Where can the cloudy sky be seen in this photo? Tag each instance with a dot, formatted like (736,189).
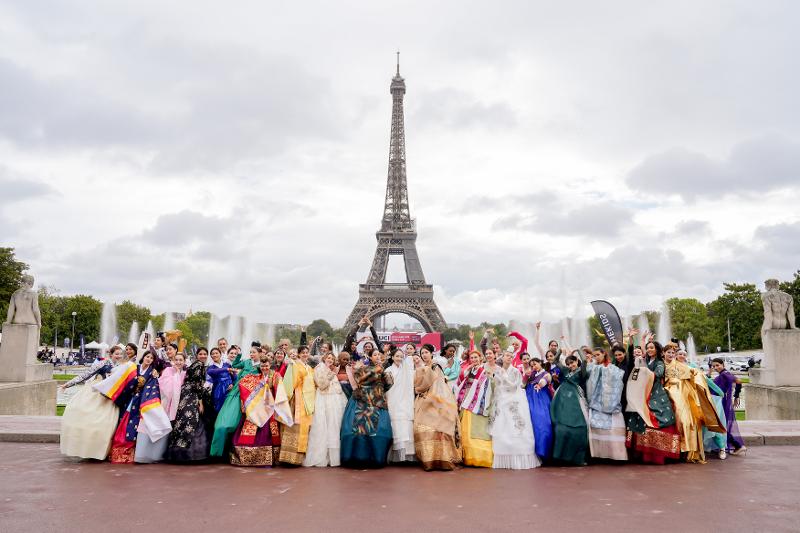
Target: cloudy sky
(232,157)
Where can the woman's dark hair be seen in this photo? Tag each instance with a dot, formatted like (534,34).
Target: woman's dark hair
(214,349)
(145,354)
(719,360)
(571,359)
(601,350)
(204,349)
(659,349)
(256,344)
(551,341)
(448,346)
(263,359)
(428,347)
(232,348)
(133,347)
(329,345)
(174,345)
(301,348)
(161,336)
(537,360)
(617,348)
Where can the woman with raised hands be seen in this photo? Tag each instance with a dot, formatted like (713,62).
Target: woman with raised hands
(437,439)
(400,399)
(537,390)
(324,442)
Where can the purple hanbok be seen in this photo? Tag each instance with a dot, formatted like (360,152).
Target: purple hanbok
(727,381)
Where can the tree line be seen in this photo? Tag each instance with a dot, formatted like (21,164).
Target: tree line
(708,322)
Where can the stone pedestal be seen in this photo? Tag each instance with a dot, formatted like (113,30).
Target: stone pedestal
(765,402)
(18,354)
(26,386)
(36,398)
(780,366)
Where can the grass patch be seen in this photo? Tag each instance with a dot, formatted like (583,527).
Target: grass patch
(60,410)
(740,415)
(63,377)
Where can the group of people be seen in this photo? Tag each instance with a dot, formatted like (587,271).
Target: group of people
(376,403)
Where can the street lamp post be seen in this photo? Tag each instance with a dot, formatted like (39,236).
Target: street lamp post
(72,338)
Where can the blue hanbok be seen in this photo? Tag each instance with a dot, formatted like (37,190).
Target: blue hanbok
(219,376)
(539,405)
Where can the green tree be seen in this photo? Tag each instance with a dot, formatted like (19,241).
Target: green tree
(57,316)
(741,303)
(793,288)
(10,278)
(691,315)
(319,327)
(288,332)
(195,328)
(127,312)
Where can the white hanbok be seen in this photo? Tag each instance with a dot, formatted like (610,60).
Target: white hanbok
(400,399)
(323,438)
(90,418)
(510,423)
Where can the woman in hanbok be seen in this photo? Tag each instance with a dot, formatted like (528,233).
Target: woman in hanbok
(652,438)
(230,414)
(189,440)
(568,412)
(604,385)
(366,425)
(220,375)
(731,388)
(473,396)
(324,446)
(154,423)
(400,399)
(510,424)
(90,417)
(537,391)
(301,391)
(437,439)
(170,382)
(691,401)
(146,399)
(257,440)
(344,374)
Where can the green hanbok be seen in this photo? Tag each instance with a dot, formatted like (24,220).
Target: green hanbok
(568,412)
(231,412)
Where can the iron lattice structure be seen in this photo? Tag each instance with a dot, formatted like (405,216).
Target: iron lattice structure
(397,236)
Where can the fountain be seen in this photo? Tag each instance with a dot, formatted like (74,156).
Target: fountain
(664,325)
(169,321)
(691,349)
(643,325)
(108,324)
(580,328)
(214,330)
(149,330)
(133,334)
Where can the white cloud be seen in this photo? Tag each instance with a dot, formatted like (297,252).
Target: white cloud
(235,159)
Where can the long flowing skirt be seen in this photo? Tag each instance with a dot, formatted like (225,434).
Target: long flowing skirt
(323,438)
(609,443)
(122,449)
(228,419)
(148,451)
(436,450)
(512,434)
(571,444)
(539,406)
(713,441)
(475,440)
(88,425)
(264,449)
(365,451)
(654,446)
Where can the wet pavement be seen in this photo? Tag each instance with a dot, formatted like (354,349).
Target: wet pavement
(42,491)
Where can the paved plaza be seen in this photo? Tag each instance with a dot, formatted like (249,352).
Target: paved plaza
(43,491)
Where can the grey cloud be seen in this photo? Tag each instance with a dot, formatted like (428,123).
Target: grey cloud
(761,164)
(14,188)
(601,220)
(187,227)
(453,108)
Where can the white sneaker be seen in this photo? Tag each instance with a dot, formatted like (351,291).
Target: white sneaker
(723,454)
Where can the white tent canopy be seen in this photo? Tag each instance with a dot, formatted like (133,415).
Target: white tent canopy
(94,345)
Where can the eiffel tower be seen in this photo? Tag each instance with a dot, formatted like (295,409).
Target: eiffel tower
(397,236)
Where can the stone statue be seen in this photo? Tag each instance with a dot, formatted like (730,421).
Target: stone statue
(778,308)
(24,305)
